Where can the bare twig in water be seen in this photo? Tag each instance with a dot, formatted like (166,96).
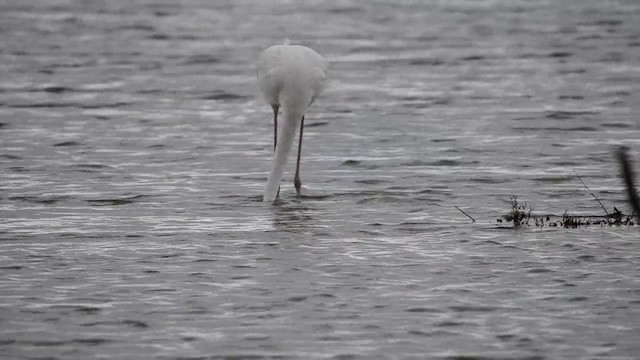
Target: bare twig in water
(462,211)
(591,192)
(627,175)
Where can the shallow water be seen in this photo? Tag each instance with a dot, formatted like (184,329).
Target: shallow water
(135,147)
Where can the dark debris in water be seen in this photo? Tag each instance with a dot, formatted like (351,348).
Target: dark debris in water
(521,214)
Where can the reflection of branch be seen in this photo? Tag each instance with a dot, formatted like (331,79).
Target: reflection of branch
(627,175)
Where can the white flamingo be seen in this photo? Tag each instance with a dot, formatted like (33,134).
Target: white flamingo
(291,77)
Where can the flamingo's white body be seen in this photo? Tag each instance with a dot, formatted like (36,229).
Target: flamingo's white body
(291,77)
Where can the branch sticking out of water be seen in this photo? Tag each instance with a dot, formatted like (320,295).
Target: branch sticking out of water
(469,216)
(521,214)
(591,192)
(628,177)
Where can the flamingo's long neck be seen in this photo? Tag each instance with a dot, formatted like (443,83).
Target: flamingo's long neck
(292,117)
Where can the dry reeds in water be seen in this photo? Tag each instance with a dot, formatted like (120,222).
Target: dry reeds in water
(521,214)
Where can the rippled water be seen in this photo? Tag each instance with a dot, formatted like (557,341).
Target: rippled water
(135,147)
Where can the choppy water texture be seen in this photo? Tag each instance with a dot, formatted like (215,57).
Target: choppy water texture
(135,147)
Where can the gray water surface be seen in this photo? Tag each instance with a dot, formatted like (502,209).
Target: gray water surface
(134,148)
